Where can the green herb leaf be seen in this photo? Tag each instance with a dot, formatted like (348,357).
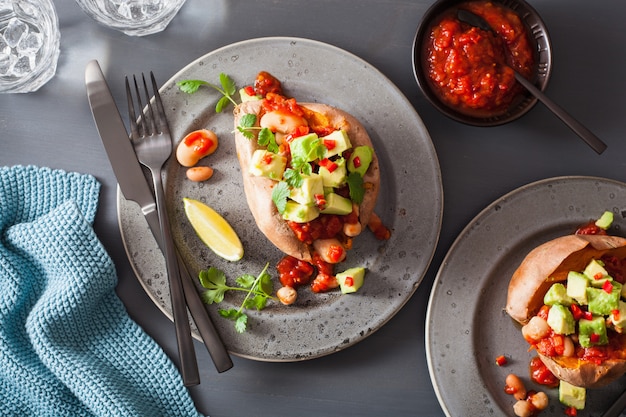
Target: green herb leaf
(268,139)
(246,281)
(355,185)
(190,86)
(246,125)
(279,196)
(227,89)
(258,290)
(293,177)
(214,281)
(228,84)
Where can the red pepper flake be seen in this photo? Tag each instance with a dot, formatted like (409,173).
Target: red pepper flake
(577,312)
(328,164)
(249,90)
(598,276)
(501,360)
(594,337)
(349,282)
(608,287)
(571,412)
(330,144)
(587,315)
(356,161)
(615,314)
(268,159)
(320,201)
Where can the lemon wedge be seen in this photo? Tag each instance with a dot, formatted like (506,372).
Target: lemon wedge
(213,230)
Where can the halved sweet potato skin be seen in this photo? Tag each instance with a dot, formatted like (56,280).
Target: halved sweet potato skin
(258,190)
(583,373)
(550,263)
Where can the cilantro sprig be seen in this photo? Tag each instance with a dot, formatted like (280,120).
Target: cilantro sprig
(258,290)
(227,88)
(265,136)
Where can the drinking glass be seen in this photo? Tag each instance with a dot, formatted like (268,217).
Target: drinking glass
(132,17)
(29,44)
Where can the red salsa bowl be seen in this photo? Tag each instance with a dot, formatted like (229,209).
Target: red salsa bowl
(467,73)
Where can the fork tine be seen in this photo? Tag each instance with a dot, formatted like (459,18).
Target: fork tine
(150,112)
(143,127)
(161,119)
(131,111)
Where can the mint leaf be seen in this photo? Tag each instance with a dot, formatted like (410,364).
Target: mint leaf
(279,196)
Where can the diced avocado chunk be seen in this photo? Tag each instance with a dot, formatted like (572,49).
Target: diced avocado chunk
(336,204)
(602,302)
(267,164)
(311,189)
(596,273)
(299,213)
(306,148)
(243,94)
(557,294)
(337,177)
(605,221)
(572,396)
(351,279)
(560,319)
(360,159)
(336,143)
(618,318)
(577,284)
(592,332)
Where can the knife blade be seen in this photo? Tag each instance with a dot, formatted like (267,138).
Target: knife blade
(134,187)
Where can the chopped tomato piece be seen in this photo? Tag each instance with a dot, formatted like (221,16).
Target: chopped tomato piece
(501,360)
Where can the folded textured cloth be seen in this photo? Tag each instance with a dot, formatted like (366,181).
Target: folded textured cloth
(67,344)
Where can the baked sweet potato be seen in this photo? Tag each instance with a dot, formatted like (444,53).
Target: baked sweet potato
(549,264)
(258,189)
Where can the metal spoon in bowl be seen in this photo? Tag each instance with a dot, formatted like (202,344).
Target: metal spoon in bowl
(592,140)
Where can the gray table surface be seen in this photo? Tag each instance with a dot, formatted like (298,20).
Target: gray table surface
(386,374)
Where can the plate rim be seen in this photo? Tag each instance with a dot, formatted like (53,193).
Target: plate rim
(436,180)
(459,241)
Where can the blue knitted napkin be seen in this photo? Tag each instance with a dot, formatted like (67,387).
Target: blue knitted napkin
(67,344)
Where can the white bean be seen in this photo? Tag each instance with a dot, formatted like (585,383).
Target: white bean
(287,295)
(352,229)
(331,250)
(516,386)
(281,122)
(568,347)
(536,329)
(523,408)
(199,173)
(539,400)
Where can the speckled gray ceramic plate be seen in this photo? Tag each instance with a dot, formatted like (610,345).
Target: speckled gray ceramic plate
(410,202)
(467,327)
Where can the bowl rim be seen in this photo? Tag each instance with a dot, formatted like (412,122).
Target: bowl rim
(543,65)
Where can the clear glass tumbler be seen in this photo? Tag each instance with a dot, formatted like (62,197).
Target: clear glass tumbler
(29,44)
(132,17)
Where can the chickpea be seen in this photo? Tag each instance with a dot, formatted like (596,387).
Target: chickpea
(536,329)
(539,400)
(287,295)
(199,174)
(195,146)
(523,408)
(515,386)
(281,122)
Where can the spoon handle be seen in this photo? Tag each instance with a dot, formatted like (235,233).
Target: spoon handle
(586,135)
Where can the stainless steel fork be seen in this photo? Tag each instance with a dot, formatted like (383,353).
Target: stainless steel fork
(151,139)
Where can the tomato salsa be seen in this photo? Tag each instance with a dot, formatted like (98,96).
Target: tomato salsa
(470,69)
